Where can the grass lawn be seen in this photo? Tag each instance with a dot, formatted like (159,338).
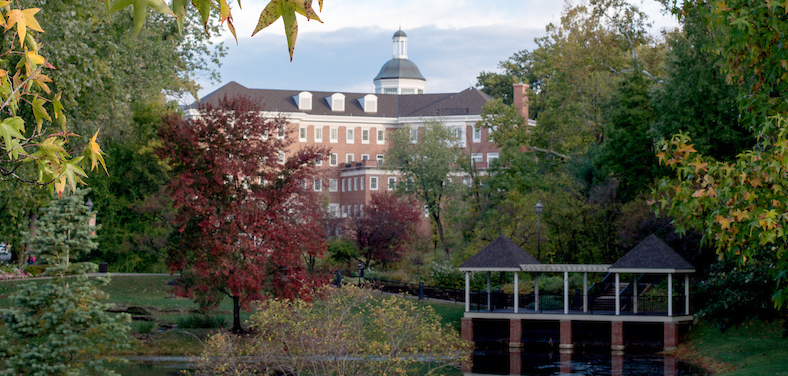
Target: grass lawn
(754,348)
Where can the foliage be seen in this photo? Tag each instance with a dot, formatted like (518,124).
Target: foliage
(60,328)
(342,251)
(201,322)
(64,231)
(136,218)
(243,218)
(735,293)
(345,332)
(386,228)
(425,165)
(739,206)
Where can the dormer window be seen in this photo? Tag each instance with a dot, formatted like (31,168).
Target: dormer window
(336,101)
(369,103)
(303,100)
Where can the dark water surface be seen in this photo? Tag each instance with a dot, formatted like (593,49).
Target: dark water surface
(496,362)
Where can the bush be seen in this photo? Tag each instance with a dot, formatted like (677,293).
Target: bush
(35,270)
(201,322)
(12,272)
(143,327)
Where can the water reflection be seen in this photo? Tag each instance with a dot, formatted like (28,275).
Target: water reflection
(502,362)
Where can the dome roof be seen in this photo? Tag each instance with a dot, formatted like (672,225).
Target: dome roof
(400,33)
(399,68)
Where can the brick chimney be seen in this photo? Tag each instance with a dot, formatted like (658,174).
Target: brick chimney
(521,99)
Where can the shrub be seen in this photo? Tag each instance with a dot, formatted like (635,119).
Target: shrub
(12,272)
(201,322)
(143,327)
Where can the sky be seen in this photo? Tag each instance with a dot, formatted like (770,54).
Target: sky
(451,41)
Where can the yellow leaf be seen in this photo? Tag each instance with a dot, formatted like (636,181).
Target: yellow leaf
(740,215)
(23,19)
(725,222)
(700,193)
(699,166)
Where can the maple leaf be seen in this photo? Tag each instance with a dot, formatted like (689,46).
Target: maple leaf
(23,19)
(740,215)
(94,153)
(11,130)
(725,222)
(287,10)
(141,10)
(699,166)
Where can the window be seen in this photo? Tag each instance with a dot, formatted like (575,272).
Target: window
(280,157)
(343,185)
(362,182)
(333,160)
(319,160)
(334,136)
(365,136)
(302,134)
(392,183)
(426,211)
(351,137)
(318,185)
(477,134)
(355,210)
(344,211)
(318,134)
(381,159)
(361,210)
(282,131)
(333,210)
(350,158)
(490,158)
(332,185)
(364,157)
(390,90)
(381,136)
(414,135)
(304,184)
(373,183)
(355,184)
(476,157)
(467,181)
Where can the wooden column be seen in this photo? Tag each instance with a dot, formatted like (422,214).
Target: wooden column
(618,298)
(617,336)
(467,291)
(566,293)
(516,291)
(670,294)
(686,294)
(536,293)
(635,294)
(515,333)
(585,291)
(566,336)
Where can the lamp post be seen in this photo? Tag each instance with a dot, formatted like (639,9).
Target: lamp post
(360,272)
(539,208)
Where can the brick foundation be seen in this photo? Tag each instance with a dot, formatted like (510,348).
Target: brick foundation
(515,333)
(617,336)
(466,329)
(566,335)
(671,336)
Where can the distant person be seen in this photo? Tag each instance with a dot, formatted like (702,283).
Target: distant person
(31,260)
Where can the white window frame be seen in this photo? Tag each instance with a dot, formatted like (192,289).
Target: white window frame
(355,183)
(477,134)
(318,185)
(392,183)
(381,158)
(350,136)
(333,210)
(381,140)
(414,135)
(365,136)
(333,136)
(301,134)
(363,179)
(467,181)
(491,157)
(332,185)
(281,132)
(343,184)
(318,134)
(361,210)
(333,159)
(364,157)
(477,157)
(373,183)
(350,158)
(319,160)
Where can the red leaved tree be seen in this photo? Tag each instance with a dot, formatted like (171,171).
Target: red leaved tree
(244,218)
(386,227)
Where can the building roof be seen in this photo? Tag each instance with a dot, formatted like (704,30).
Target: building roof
(467,102)
(500,255)
(400,33)
(399,68)
(652,255)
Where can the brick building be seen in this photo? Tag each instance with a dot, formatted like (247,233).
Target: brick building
(356,126)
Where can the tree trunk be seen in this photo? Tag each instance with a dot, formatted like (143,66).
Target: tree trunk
(437,219)
(237,315)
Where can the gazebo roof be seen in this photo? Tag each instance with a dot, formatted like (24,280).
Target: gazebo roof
(500,255)
(652,256)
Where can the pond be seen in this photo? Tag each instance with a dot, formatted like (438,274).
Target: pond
(495,362)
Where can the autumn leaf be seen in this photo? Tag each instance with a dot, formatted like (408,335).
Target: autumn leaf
(287,10)
(141,10)
(39,112)
(94,153)
(11,130)
(740,215)
(23,19)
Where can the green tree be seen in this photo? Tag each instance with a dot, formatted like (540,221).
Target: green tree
(740,205)
(425,163)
